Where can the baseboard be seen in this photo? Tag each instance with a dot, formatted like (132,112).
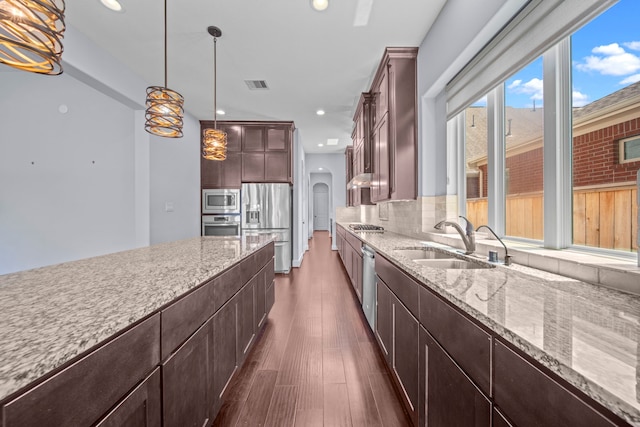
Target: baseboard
(297,262)
(334,248)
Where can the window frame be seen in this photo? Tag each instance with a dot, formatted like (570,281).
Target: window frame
(622,148)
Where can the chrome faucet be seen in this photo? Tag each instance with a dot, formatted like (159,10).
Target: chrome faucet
(468,235)
(507,257)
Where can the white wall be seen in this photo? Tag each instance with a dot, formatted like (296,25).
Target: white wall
(65,207)
(175,185)
(333,164)
(299,202)
(66,180)
(460,31)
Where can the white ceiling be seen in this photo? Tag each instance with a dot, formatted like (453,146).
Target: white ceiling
(311,60)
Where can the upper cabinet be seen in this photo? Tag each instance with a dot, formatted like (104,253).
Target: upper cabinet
(362,162)
(394,126)
(348,155)
(256,152)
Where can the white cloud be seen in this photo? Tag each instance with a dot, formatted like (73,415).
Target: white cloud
(631,80)
(580,99)
(515,84)
(633,45)
(533,88)
(610,49)
(612,60)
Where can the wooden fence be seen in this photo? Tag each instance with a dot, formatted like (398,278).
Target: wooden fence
(602,217)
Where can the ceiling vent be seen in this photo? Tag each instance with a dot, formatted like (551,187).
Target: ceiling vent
(257,84)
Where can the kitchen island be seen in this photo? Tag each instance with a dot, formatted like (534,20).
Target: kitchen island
(63,324)
(524,339)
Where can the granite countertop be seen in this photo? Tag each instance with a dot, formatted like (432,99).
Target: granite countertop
(51,314)
(587,334)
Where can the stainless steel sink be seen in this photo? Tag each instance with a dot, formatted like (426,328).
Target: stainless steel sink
(451,263)
(422,254)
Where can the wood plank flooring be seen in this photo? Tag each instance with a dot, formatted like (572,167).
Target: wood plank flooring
(316,363)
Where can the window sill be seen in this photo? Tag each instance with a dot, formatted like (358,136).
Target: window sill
(620,273)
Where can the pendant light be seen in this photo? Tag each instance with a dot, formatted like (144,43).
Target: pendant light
(164,106)
(214,141)
(31,34)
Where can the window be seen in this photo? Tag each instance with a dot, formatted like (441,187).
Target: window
(476,162)
(606,146)
(564,164)
(630,149)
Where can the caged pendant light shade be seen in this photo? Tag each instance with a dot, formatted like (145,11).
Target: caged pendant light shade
(165,109)
(214,141)
(31,34)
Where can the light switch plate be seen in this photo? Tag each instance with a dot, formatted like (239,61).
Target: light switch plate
(168,207)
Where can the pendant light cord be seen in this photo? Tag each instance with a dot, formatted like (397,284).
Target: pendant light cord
(215,73)
(165,43)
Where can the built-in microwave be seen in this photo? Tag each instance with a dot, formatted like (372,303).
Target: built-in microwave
(219,201)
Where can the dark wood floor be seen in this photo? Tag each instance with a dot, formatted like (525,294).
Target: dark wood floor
(316,362)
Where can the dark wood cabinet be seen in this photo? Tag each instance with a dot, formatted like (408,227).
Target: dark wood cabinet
(384,320)
(362,146)
(277,166)
(394,126)
(499,420)
(82,393)
(141,407)
(256,152)
(261,296)
(449,398)
(405,349)
(348,164)
(224,350)
(544,401)
(187,378)
(253,137)
(270,298)
(245,302)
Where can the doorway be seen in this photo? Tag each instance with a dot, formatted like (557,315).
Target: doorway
(321,207)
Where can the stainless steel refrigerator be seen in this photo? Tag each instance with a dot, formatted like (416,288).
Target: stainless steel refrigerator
(266,208)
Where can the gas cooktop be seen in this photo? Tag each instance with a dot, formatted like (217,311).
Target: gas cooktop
(366,228)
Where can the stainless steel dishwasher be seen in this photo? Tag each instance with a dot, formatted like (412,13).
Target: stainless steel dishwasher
(369,294)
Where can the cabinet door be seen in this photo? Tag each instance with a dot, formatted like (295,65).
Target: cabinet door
(245,301)
(543,402)
(357,276)
(278,138)
(186,381)
(234,136)
(224,352)
(276,166)
(232,170)
(447,396)
(381,162)
(211,173)
(406,335)
(253,167)
(271,296)
(381,95)
(141,408)
(261,295)
(253,138)
(384,320)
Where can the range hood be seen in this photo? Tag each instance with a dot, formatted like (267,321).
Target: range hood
(360,181)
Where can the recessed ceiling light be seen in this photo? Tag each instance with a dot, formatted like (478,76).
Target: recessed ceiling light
(320,145)
(221,112)
(363,12)
(320,169)
(319,5)
(113,5)
(332,141)
(320,112)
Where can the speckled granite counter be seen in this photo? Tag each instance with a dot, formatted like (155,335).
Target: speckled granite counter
(50,315)
(588,335)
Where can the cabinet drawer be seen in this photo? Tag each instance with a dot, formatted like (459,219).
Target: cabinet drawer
(184,316)
(82,393)
(354,242)
(467,344)
(264,255)
(141,408)
(402,285)
(542,401)
(231,281)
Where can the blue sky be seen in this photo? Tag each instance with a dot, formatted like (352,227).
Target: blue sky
(605,57)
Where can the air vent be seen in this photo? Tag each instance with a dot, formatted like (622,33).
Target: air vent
(257,84)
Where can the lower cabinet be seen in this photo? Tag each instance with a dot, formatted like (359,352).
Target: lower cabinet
(448,397)
(187,378)
(356,266)
(141,408)
(245,308)
(544,401)
(224,351)
(398,331)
